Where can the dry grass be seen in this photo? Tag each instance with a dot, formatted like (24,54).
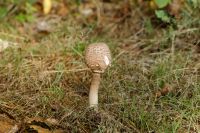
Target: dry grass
(49,78)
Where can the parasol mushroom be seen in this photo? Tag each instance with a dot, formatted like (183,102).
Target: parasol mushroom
(98,58)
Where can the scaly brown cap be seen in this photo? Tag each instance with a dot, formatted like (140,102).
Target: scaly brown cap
(98,57)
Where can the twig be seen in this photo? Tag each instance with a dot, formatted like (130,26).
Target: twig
(14,36)
(186,31)
(66,71)
(121,53)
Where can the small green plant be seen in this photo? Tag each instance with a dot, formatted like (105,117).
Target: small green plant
(3,12)
(194,3)
(27,15)
(148,26)
(161,13)
(79,48)
(162,3)
(20,10)
(56,92)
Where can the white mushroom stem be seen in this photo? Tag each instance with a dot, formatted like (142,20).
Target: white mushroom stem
(93,94)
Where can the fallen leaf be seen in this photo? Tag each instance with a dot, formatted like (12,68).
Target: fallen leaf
(40,129)
(47,6)
(7,125)
(165,90)
(14,129)
(63,10)
(35,119)
(52,121)
(41,125)
(174,7)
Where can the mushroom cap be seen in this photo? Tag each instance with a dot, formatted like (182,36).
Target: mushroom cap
(98,57)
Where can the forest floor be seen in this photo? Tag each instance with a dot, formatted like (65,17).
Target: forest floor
(153,84)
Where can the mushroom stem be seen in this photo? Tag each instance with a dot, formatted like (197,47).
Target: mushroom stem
(93,94)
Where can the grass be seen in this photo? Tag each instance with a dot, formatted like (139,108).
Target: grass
(49,79)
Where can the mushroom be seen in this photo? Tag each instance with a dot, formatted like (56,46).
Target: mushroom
(98,58)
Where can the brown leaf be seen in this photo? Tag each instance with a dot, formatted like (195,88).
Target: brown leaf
(40,129)
(174,8)
(165,90)
(41,125)
(7,125)
(52,121)
(14,129)
(63,10)
(30,120)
